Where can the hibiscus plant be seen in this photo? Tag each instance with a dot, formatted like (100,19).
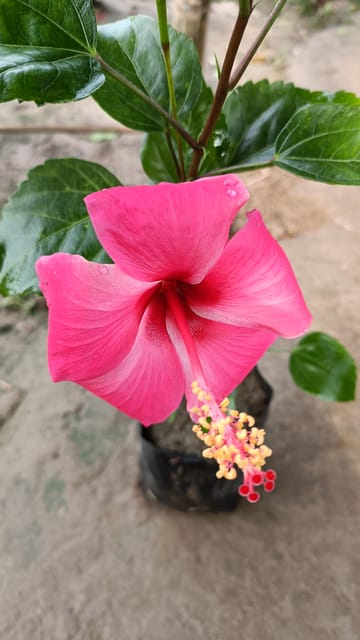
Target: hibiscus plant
(148,297)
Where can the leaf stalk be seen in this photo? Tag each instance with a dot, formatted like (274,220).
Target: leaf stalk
(165,45)
(222,87)
(241,68)
(157,107)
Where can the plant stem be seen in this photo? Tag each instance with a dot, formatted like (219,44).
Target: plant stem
(172,153)
(165,45)
(223,84)
(244,8)
(256,44)
(162,20)
(132,87)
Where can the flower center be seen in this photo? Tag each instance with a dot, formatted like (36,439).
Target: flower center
(177,310)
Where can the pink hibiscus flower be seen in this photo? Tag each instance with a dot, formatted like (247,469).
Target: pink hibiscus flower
(181,304)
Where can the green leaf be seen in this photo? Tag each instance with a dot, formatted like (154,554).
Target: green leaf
(47,214)
(157,161)
(257,112)
(47,51)
(132,47)
(69,25)
(321,365)
(322,143)
(46,75)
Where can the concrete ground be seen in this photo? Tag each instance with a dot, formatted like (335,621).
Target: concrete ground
(83,555)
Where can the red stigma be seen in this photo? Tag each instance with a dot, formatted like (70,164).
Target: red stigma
(257,478)
(269,486)
(270,474)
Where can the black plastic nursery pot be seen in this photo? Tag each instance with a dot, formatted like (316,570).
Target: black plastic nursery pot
(183,481)
(187,481)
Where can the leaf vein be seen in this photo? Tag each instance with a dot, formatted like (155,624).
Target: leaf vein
(51,21)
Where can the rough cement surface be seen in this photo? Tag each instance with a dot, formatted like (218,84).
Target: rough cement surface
(83,555)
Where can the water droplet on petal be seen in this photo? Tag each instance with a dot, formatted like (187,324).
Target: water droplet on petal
(102,269)
(231,193)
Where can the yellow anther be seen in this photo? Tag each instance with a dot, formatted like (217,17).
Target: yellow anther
(256,435)
(204,423)
(265,450)
(256,459)
(219,427)
(207,453)
(241,435)
(203,396)
(233,448)
(240,462)
(227,449)
(224,404)
(231,474)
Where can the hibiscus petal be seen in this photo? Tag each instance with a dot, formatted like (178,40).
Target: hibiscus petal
(94,314)
(227,353)
(149,383)
(167,231)
(252,285)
